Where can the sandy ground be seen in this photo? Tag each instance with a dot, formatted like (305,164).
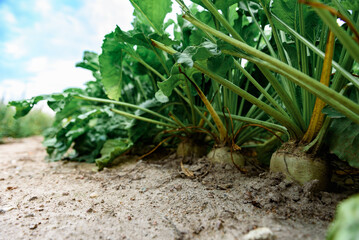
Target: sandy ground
(150,200)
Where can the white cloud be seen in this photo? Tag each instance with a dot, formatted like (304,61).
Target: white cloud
(46,78)
(56,76)
(15,49)
(43,7)
(47,48)
(60,26)
(37,64)
(7,17)
(12,89)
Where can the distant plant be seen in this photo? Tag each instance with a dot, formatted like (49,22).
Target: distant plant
(35,123)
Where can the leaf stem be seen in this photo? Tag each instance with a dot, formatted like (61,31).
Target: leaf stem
(320,53)
(129,115)
(317,118)
(348,108)
(94,99)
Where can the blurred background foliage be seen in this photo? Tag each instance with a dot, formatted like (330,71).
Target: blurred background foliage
(32,124)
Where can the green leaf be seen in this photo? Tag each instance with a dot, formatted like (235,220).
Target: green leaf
(220,64)
(350,4)
(148,104)
(120,63)
(205,17)
(252,5)
(60,138)
(164,38)
(86,132)
(223,5)
(346,222)
(204,51)
(175,79)
(140,38)
(172,82)
(111,66)
(248,30)
(150,58)
(161,97)
(343,140)
(138,129)
(55,101)
(331,112)
(153,11)
(58,101)
(112,149)
(23,107)
(292,51)
(95,88)
(288,12)
(90,61)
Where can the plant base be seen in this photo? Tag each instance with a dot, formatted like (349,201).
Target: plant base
(223,155)
(299,166)
(190,148)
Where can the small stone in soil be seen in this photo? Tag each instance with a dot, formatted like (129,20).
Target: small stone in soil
(30,215)
(94,195)
(33,226)
(143,190)
(198,229)
(33,198)
(219,225)
(260,234)
(224,186)
(90,210)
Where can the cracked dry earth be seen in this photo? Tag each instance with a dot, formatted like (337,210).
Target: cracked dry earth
(151,200)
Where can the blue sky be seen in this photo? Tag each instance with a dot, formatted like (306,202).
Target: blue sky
(41,41)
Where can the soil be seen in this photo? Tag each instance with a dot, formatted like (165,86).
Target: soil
(152,199)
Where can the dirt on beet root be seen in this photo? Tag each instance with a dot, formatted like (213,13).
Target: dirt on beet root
(154,199)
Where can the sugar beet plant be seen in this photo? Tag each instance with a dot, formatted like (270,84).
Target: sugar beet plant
(295,69)
(186,83)
(82,126)
(301,73)
(244,73)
